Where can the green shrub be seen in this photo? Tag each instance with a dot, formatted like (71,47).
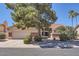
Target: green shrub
(64,37)
(38,38)
(2,36)
(27,40)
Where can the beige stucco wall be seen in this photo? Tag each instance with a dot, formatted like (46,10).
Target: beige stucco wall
(1,28)
(18,33)
(56,37)
(77,33)
(52,36)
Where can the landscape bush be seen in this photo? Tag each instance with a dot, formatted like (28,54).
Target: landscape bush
(64,37)
(38,38)
(2,36)
(27,40)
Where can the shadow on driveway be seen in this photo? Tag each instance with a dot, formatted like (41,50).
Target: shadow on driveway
(58,44)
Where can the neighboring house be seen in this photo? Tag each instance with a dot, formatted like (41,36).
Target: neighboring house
(14,32)
(4,28)
(77,31)
(1,28)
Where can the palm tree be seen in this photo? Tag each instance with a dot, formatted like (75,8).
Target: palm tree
(72,15)
(76,14)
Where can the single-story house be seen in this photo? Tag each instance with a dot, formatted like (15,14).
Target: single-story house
(14,32)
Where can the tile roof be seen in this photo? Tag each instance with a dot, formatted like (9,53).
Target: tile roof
(54,26)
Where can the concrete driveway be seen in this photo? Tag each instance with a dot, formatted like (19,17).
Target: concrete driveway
(15,43)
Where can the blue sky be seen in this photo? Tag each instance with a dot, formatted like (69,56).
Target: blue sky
(5,15)
(61,12)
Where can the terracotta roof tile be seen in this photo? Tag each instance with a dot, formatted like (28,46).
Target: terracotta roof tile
(54,26)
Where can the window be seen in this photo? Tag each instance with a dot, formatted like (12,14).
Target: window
(45,33)
(10,34)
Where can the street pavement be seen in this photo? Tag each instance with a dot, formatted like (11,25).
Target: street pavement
(48,48)
(39,52)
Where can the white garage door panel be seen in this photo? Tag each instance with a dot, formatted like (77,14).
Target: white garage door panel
(19,34)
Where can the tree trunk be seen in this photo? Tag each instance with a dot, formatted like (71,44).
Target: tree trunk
(76,21)
(72,22)
(39,31)
(72,29)
(76,25)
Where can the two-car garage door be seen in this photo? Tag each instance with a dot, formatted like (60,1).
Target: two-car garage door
(19,34)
